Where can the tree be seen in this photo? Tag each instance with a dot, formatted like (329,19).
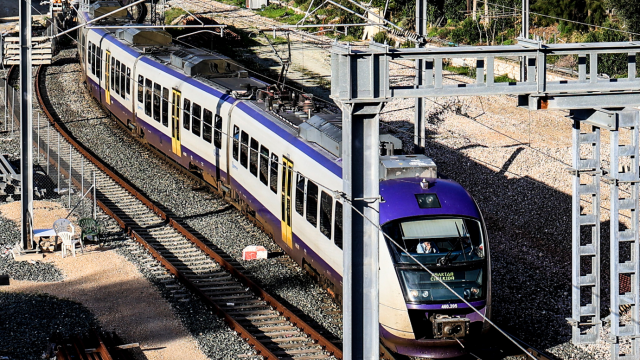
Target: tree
(629,11)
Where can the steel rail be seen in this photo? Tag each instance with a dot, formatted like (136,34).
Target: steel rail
(286,313)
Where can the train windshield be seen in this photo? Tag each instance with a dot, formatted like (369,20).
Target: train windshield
(436,241)
(452,248)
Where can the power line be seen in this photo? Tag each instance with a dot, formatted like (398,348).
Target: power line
(561,19)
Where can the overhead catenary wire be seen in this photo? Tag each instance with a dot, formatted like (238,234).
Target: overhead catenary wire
(561,19)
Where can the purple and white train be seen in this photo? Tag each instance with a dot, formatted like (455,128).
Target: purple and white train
(275,157)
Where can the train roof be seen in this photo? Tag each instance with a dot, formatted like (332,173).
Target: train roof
(400,199)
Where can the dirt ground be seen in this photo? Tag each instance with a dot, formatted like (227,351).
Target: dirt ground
(114,290)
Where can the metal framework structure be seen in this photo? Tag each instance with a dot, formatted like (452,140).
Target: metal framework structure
(360,84)
(26,121)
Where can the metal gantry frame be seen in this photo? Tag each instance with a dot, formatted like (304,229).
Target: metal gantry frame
(360,84)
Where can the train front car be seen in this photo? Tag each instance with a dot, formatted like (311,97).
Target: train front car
(438,223)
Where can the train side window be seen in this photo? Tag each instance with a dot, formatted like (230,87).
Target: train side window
(196,115)
(207,119)
(300,195)
(123,80)
(112,74)
(326,210)
(140,88)
(165,106)
(244,148)
(128,80)
(264,165)
(337,225)
(274,173)
(217,136)
(156,101)
(93,58)
(99,63)
(236,142)
(312,203)
(253,157)
(186,114)
(147,97)
(89,53)
(117,76)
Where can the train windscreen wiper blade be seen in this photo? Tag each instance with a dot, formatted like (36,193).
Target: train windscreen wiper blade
(445,259)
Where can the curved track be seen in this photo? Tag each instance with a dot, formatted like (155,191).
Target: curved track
(270,328)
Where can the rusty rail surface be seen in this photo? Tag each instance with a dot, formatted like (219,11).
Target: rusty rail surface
(259,347)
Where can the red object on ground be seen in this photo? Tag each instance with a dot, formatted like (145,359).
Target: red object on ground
(254,252)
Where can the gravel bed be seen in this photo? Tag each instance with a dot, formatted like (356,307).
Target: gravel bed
(221,224)
(214,337)
(29,320)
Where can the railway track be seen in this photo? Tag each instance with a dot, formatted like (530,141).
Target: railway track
(274,331)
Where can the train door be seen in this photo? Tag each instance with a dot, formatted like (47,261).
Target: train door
(107,78)
(175,123)
(287,178)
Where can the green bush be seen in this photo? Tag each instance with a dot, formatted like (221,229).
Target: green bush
(466,33)
(173,14)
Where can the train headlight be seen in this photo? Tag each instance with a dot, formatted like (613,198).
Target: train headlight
(425,294)
(414,293)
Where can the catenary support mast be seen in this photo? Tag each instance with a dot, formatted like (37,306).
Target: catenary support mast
(360,85)
(26,136)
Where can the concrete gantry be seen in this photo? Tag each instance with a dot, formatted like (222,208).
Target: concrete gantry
(360,85)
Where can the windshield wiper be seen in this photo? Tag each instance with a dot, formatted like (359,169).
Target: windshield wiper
(445,259)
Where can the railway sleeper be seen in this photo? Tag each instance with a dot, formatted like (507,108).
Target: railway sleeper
(247,306)
(282,334)
(241,292)
(230,297)
(298,352)
(235,286)
(295,346)
(272,329)
(209,276)
(261,317)
(253,312)
(262,323)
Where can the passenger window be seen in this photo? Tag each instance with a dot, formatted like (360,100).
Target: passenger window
(217,136)
(89,52)
(156,101)
(337,225)
(253,159)
(128,80)
(186,114)
(236,142)
(244,151)
(312,203)
(99,63)
(113,73)
(326,210)
(165,107)
(140,88)
(117,76)
(196,115)
(207,118)
(93,59)
(147,97)
(264,165)
(300,195)
(123,80)
(274,173)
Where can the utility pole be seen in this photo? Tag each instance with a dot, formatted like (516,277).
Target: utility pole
(525,35)
(419,122)
(26,136)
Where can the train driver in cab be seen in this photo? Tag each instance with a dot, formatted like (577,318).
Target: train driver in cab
(426,247)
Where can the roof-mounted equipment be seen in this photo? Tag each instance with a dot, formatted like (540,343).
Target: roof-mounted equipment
(144,37)
(104,7)
(406,166)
